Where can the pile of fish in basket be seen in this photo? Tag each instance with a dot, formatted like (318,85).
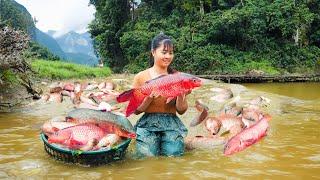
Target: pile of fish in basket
(88,137)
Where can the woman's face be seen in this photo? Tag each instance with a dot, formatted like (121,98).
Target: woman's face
(163,56)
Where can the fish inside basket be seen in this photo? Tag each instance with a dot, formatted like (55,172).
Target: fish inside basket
(86,158)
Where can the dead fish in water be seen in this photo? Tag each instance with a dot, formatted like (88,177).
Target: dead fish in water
(55,97)
(221,94)
(248,136)
(66,93)
(107,120)
(56,90)
(212,125)
(107,86)
(90,87)
(231,109)
(68,87)
(260,101)
(203,109)
(230,123)
(201,142)
(250,116)
(168,86)
(82,136)
(103,106)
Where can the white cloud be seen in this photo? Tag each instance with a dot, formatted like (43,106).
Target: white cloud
(60,15)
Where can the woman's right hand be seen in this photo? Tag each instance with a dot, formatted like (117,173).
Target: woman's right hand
(154,95)
(146,102)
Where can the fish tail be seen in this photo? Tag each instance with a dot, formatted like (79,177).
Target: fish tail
(125,96)
(134,102)
(132,135)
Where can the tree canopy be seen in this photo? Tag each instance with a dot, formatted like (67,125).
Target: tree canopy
(211,36)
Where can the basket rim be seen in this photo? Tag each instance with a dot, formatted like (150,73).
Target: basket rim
(44,139)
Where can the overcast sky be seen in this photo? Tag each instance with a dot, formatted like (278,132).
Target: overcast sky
(60,15)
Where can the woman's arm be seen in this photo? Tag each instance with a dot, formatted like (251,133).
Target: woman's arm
(181,103)
(144,105)
(146,102)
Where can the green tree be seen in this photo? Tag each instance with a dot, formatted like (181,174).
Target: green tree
(106,30)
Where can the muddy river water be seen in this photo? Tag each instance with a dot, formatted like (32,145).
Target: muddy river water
(290,150)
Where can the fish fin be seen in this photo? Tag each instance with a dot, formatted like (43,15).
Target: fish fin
(156,78)
(135,101)
(199,119)
(169,99)
(248,142)
(125,96)
(75,143)
(132,135)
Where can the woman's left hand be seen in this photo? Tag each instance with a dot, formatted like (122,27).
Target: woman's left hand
(181,103)
(183,95)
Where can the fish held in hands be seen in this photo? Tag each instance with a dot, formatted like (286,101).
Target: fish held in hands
(168,86)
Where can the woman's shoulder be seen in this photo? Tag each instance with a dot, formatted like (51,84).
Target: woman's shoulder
(141,77)
(142,74)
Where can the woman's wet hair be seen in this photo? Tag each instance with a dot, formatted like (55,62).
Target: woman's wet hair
(157,41)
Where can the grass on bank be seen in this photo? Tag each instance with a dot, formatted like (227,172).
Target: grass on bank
(63,70)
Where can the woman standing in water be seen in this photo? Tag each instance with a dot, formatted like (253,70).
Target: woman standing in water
(159,130)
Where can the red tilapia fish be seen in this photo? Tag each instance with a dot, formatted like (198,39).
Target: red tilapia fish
(248,136)
(108,121)
(82,136)
(168,86)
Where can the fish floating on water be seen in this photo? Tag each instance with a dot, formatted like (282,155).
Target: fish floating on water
(168,86)
(248,136)
(203,109)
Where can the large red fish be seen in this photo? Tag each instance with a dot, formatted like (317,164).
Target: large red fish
(78,137)
(108,121)
(168,86)
(248,136)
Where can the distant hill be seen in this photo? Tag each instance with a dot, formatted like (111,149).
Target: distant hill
(72,46)
(77,45)
(80,58)
(49,42)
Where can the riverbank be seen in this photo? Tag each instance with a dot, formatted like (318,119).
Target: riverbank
(262,78)
(15,96)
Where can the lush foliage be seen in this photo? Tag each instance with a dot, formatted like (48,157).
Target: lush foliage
(37,51)
(15,15)
(211,36)
(64,70)
(12,45)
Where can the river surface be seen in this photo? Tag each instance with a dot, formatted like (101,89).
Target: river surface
(290,150)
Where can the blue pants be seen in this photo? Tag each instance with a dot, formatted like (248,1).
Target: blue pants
(160,134)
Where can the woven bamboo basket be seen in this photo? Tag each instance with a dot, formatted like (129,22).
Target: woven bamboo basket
(87,158)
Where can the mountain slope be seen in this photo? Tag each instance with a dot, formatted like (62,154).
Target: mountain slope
(47,41)
(78,47)
(73,42)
